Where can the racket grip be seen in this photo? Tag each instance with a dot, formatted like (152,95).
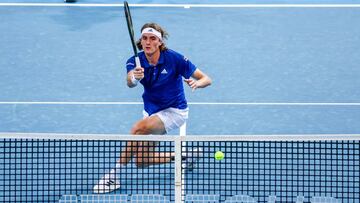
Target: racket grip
(137,61)
(134,81)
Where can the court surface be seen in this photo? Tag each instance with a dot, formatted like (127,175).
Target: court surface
(275,70)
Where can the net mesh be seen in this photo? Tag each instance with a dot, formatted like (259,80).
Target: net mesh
(66,170)
(44,170)
(282,171)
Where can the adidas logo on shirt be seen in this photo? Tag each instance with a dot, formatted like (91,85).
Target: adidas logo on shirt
(164,71)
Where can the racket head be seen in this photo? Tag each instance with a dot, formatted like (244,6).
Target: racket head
(130,27)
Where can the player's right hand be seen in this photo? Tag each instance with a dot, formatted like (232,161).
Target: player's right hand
(138,73)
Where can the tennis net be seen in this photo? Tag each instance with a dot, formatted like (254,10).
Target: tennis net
(272,168)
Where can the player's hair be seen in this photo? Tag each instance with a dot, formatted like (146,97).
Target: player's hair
(157,27)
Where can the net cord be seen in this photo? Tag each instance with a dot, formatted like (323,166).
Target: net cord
(288,137)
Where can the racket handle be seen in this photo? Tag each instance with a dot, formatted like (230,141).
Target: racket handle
(134,81)
(137,61)
(137,65)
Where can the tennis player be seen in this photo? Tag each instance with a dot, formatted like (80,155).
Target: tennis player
(162,73)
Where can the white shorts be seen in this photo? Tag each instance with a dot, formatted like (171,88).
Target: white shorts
(171,117)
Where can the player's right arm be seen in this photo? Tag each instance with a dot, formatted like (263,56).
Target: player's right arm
(134,76)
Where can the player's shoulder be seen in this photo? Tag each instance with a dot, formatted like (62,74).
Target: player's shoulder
(175,55)
(171,52)
(140,54)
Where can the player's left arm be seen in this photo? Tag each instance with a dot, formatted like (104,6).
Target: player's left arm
(198,80)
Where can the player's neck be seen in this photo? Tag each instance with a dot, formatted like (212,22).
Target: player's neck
(153,58)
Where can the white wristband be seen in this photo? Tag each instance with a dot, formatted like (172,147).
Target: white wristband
(134,81)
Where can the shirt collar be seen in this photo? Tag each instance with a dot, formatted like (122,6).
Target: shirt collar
(146,63)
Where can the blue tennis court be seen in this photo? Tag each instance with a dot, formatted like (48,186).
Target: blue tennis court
(278,67)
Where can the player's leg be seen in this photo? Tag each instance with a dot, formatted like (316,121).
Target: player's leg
(146,126)
(146,154)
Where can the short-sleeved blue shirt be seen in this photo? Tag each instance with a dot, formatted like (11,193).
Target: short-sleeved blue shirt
(163,85)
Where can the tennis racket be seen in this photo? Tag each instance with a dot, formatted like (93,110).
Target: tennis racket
(131,32)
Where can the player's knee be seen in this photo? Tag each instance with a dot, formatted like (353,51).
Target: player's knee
(141,128)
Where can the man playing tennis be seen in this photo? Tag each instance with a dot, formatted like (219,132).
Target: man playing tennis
(165,107)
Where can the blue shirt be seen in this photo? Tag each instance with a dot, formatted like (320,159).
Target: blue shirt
(163,84)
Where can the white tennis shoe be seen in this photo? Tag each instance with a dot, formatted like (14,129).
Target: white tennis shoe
(106,184)
(191,157)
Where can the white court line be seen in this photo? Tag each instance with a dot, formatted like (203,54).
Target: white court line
(190,103)
(189,5)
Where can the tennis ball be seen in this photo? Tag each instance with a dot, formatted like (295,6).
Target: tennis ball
(219,155)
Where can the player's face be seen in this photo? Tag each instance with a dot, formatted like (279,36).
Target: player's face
(150,43)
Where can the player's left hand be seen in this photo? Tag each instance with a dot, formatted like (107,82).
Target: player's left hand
(192,83)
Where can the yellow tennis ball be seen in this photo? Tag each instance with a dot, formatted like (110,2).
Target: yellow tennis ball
(219,155)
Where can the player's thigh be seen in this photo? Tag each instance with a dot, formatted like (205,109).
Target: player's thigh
(149,125)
